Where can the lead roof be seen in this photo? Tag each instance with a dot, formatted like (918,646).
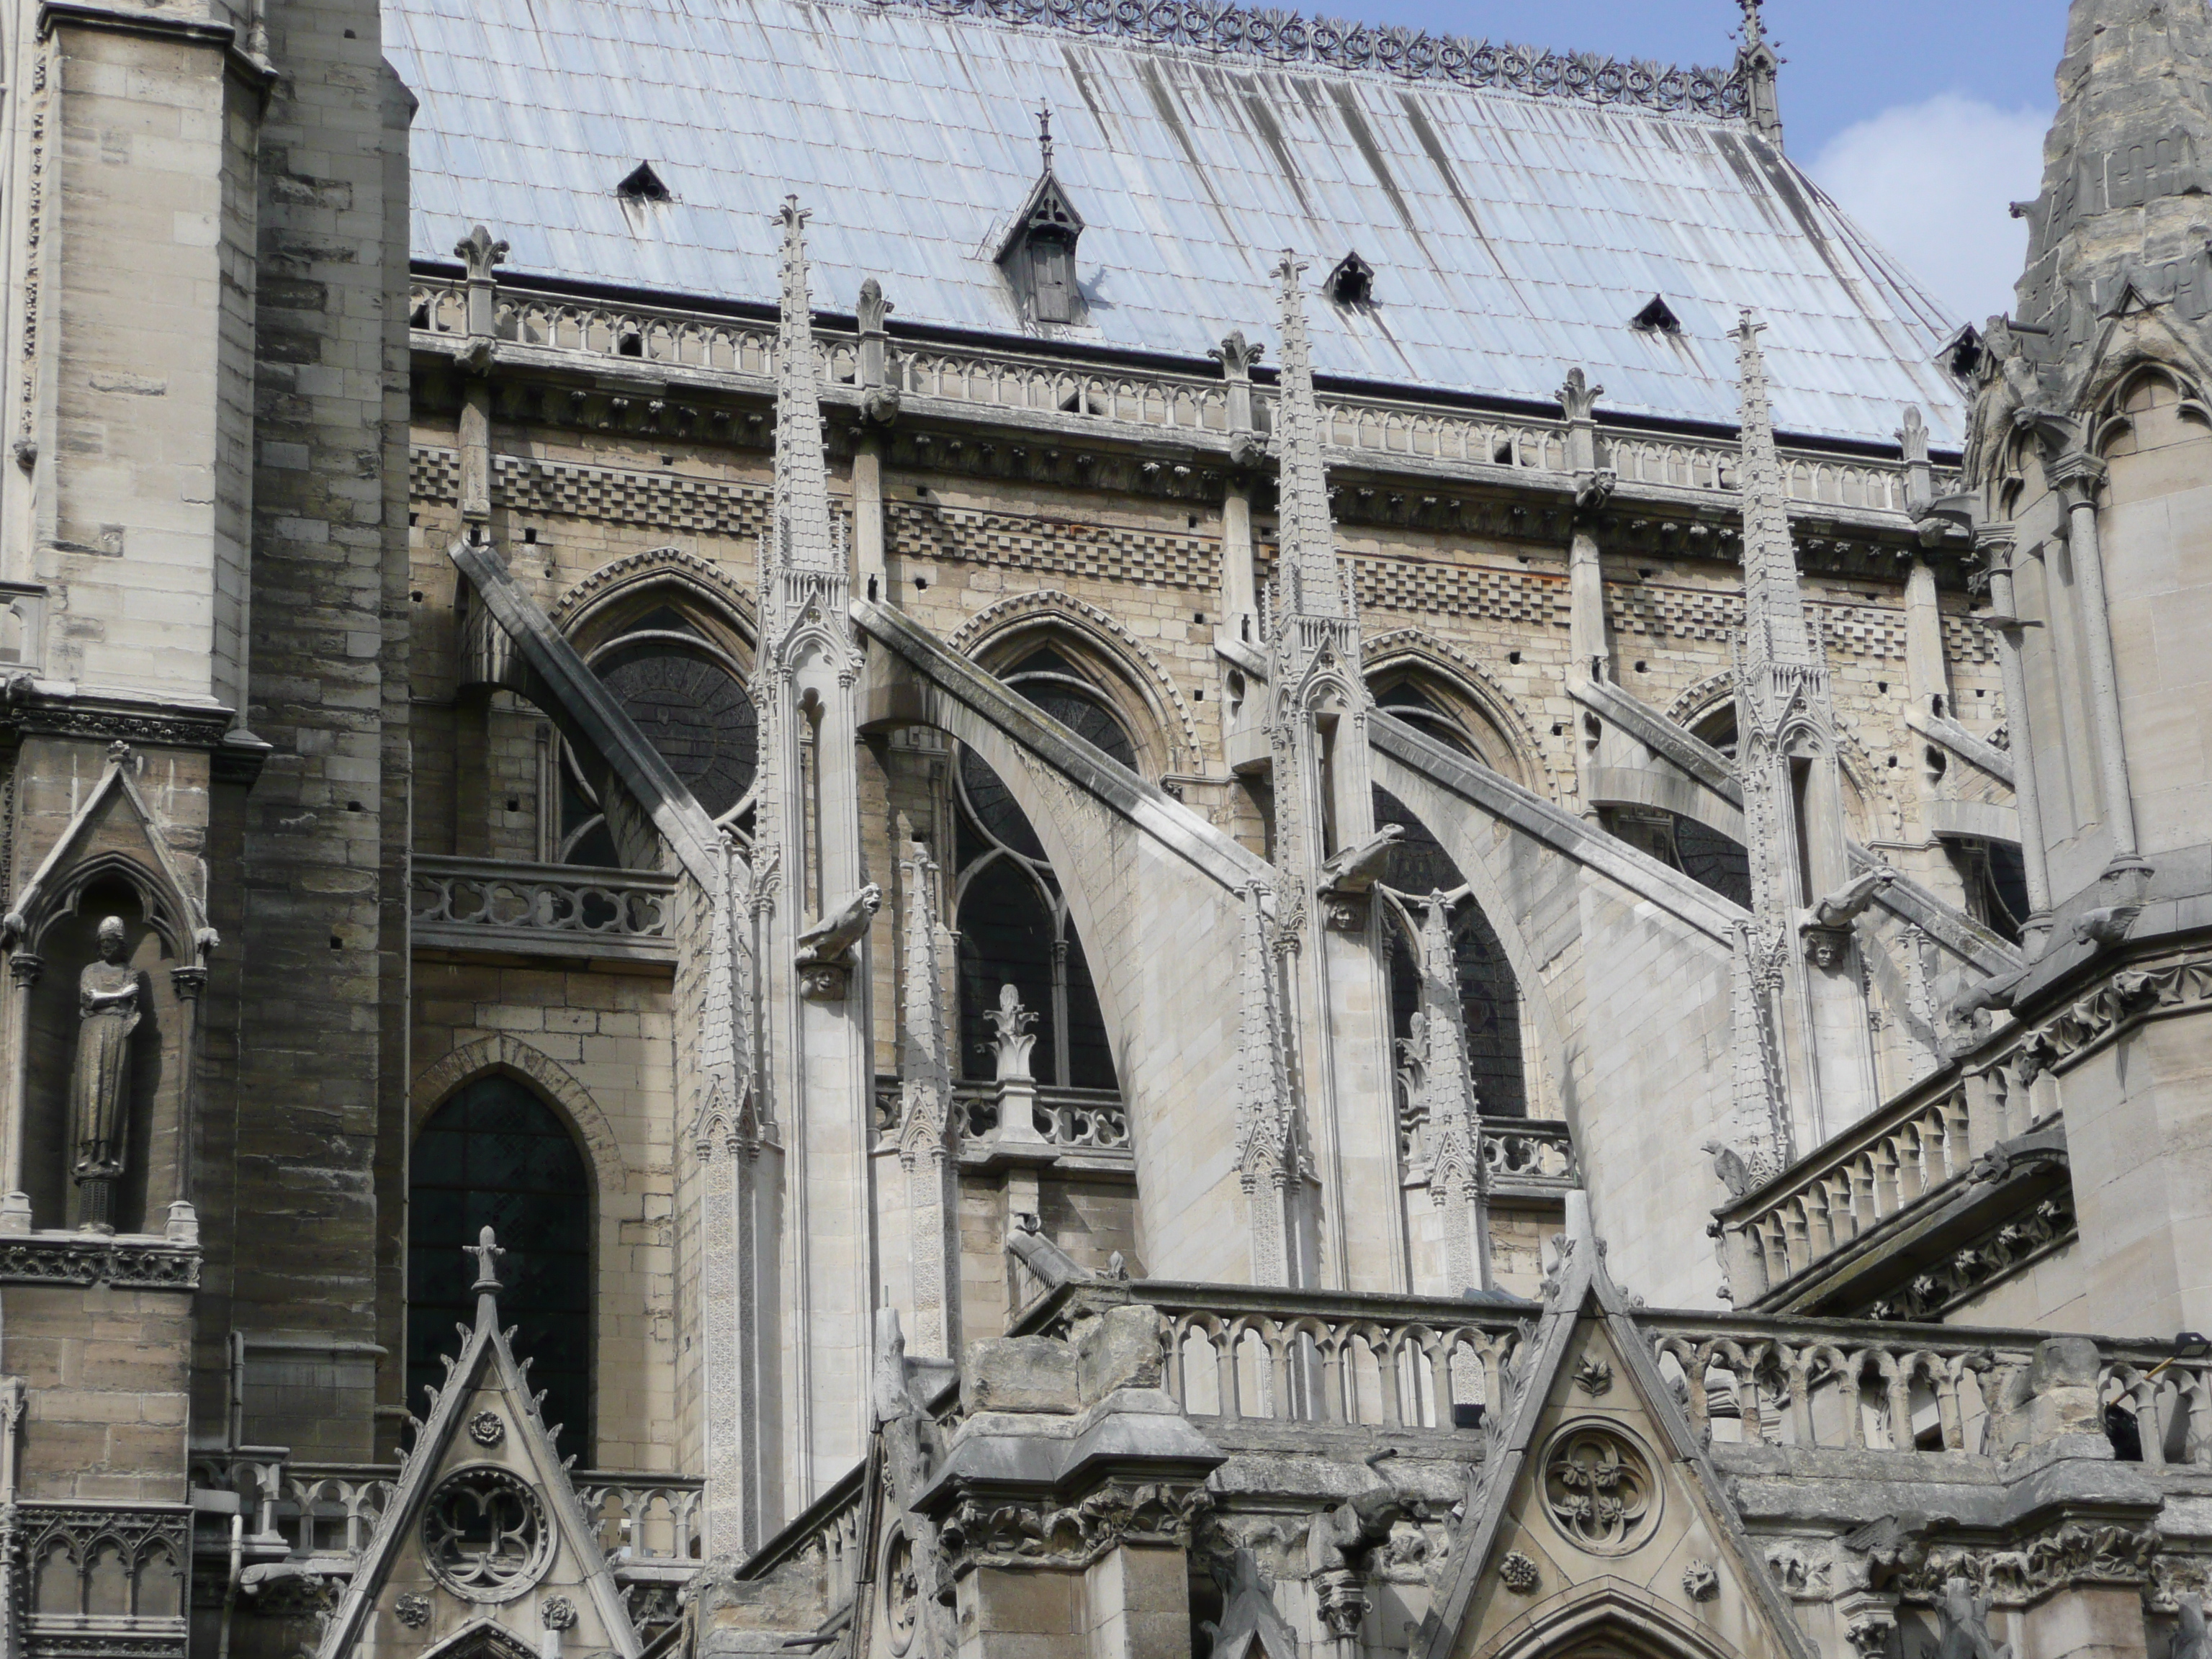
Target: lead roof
(1512,235)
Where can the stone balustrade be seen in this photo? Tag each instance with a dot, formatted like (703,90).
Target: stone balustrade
(1882,1177)
(541,909)
(1531,1155)
(1272,1353)
(829,1528)
(1146,403)
(1087,1119)
(1856,1385)
(332,1509)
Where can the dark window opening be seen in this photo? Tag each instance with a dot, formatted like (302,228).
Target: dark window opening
(1408,701)
(1490,999)
(1994,876)
(495,1155)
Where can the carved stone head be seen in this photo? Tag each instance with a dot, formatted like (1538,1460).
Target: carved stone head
(111,939)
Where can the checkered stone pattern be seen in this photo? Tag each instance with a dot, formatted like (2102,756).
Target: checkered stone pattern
(1157,558)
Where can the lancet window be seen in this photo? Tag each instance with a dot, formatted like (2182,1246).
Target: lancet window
(1015,929)
(496,1155)
(1490,998)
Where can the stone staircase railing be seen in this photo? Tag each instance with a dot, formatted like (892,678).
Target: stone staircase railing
(1921,1150)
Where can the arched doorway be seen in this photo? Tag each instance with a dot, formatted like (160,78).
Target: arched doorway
(496,1155)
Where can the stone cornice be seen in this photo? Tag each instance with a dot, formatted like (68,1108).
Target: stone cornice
(187,31)
(48,708)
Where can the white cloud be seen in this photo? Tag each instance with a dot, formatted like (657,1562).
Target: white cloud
(1931,184)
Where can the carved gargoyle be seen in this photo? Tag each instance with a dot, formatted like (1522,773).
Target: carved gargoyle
(1963,1619)
(1053,1266)
(1740,1175)
(1341,1538)
(1356,869)
(826,943)
(1849,902)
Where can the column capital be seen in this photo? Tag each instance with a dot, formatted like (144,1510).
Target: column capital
(26,966)
(2076,475)
(189,982)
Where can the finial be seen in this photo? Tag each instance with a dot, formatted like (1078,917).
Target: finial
(1044,132)
(487,1252)
(1754,26)
(480,251)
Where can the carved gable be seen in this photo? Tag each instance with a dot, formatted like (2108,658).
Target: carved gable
(484,1550)
(1606,1519)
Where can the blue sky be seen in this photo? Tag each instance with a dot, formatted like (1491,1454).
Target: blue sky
(1923,118)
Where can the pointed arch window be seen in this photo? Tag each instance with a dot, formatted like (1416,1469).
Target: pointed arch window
(687,694)
(1014,925)
(1490,997)
(496,1155)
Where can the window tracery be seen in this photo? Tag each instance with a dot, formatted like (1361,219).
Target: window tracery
(687,693)
(1490,997)
(485,1535)
(1015,929)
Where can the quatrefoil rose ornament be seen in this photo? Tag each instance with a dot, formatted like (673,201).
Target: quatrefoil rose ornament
(1599,1491)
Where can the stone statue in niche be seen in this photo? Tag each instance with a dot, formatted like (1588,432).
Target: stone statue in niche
(100,1087)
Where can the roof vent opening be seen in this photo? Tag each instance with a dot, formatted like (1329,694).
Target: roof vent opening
(1962,356)
(643,185)
(1657,317)
(1352,282)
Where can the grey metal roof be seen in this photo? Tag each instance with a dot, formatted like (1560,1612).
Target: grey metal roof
(1511,235)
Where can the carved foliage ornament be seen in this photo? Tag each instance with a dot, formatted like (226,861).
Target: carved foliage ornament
(1519,1574)
(1599,1490)
(412,1609)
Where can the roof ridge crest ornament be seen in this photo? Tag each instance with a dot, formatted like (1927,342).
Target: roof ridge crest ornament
(1288,38)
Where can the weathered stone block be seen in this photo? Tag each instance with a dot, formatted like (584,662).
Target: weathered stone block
(1019,1374)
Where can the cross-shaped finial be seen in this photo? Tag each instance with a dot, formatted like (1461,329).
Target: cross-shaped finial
(487,1252)
(1044,132)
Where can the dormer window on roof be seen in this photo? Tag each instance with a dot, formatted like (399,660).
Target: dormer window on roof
(1352,282)
(642,184)
(1038,256)
(1657,317)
